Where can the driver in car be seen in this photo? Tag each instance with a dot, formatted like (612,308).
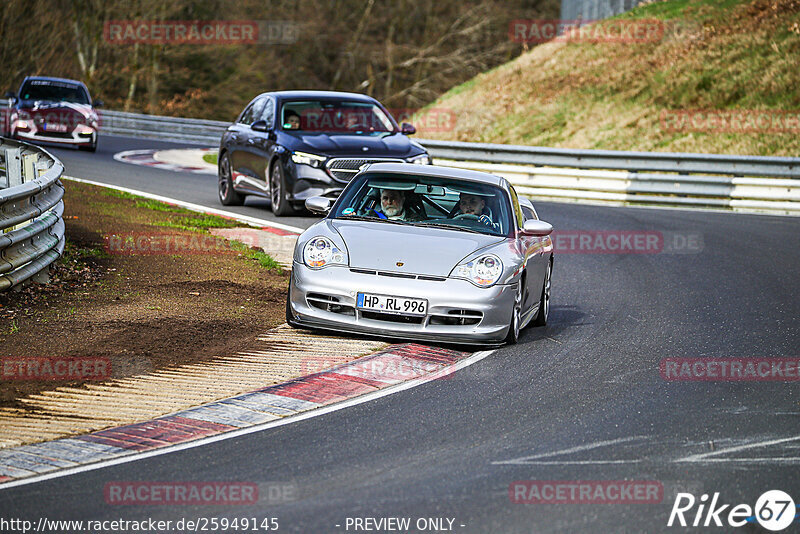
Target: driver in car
(393,206)
(474,205)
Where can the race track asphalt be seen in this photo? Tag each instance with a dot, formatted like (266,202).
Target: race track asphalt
(581,399)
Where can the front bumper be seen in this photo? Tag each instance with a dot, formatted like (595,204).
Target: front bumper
(73,138)
(458,312)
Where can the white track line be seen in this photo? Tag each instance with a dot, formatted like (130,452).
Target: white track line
(253,221)
(466,362)
(580,448)
(702,457)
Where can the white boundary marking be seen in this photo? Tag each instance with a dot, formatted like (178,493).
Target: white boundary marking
(704,456)
(253,221)
(466,362)
(580,448)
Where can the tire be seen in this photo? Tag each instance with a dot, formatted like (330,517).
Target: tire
(516,317)
(227,195)
(277,192)
(289,316)
(90,148)
(544,301)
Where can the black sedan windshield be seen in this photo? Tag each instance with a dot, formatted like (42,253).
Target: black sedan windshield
(328,116)
(53,91)
(439,202)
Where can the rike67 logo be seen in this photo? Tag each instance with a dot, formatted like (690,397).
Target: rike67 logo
(774,510)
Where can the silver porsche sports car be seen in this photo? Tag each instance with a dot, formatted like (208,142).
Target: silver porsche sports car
(423,252)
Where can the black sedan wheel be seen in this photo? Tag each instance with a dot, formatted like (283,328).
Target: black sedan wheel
(277,192)
(227,195)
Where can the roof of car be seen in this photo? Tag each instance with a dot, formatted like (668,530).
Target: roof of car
(52,79)
(332,95)
(436,171)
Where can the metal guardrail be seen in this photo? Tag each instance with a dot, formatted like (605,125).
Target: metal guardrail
(199,131)
(741,183)
(31,209)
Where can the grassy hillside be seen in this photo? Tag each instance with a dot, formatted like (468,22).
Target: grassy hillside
(714,55)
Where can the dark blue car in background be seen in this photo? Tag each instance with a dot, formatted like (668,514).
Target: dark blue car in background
(292,145)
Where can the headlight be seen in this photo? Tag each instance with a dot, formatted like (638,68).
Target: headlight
(304,158)
(320,251)
(21,125)
(423,159)
(483,271)
(84,129)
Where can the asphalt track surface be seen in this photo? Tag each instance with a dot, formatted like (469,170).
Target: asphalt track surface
(581,399)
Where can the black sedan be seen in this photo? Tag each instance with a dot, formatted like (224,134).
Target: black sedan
(289,146)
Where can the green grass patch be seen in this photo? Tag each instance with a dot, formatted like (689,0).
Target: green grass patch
(211,158)
(189,220)
(198,223)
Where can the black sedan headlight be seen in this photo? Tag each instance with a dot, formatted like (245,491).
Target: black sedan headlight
(422,159)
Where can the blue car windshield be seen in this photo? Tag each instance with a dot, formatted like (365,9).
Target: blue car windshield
(440,202)
(340,117)
(53,91)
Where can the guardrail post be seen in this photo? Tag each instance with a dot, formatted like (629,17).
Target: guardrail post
(13,167)
(29,161)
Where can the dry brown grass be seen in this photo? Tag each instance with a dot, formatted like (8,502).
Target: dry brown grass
(609,95)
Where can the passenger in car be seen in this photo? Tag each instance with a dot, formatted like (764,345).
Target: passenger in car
(475,205)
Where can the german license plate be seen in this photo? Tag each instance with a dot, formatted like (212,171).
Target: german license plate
(54,127)
(387,304)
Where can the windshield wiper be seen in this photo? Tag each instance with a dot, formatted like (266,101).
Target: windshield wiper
(371,219)
(450,227)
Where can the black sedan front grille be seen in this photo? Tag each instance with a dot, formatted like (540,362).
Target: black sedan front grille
(343,169)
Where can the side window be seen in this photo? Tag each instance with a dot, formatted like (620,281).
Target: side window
(247,115)
(253,111)
(528,213)
(515,206)
(268,114)
(258,107)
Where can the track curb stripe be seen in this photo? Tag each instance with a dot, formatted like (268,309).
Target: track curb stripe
(343,382)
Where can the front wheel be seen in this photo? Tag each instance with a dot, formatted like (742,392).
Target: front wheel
(289,314)
(544,301)
(277,192)
(89,148)
(227,195)
(516,317)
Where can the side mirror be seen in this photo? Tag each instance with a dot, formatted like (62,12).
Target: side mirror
(536,228)
(407,129)
(97,103)
(259,126)
(318,205)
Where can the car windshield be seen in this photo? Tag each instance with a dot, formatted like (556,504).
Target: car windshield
(426,201)
(341,116)
(53,91)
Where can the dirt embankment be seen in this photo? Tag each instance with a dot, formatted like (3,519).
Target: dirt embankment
(138,305)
